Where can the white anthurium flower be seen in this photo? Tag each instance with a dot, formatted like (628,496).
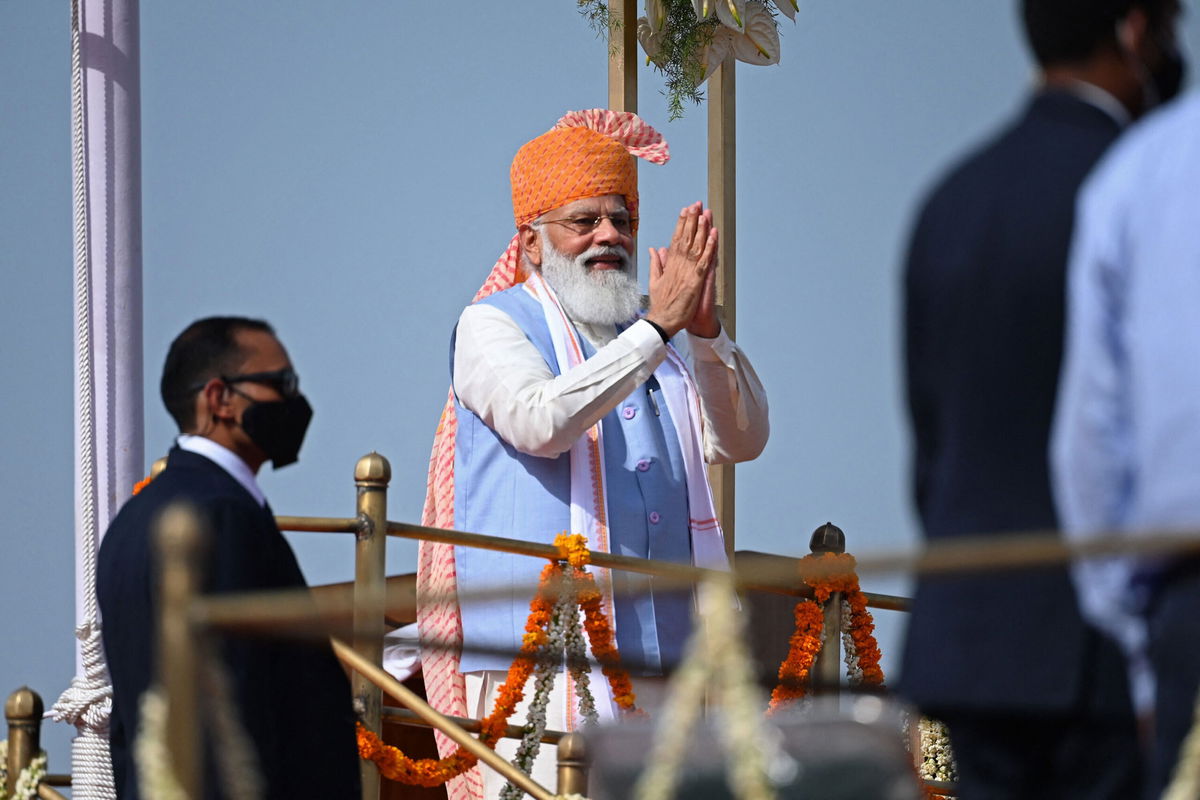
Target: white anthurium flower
(788,7)
(732,13)
(656,14)
(714,54)
(704,8)
(760,43)
(649,39)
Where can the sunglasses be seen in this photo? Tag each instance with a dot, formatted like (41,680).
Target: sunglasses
(285,381)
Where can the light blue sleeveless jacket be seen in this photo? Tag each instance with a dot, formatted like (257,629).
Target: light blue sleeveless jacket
(502,492)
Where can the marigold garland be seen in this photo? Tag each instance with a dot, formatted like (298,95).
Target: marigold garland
(394,765)
(827,574)
(802,654)
(142,484)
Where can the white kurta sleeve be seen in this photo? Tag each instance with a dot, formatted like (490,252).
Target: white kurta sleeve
(500,375)
(733,400)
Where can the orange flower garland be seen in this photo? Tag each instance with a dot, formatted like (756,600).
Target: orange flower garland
(827,574)
(142,484)
(805,644)
(394,765)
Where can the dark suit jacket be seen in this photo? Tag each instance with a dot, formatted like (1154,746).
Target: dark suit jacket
(294,699)
(984,304)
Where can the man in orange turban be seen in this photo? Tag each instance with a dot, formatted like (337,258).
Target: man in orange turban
(572,410)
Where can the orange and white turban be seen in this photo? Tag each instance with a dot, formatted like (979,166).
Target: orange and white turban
(586,154)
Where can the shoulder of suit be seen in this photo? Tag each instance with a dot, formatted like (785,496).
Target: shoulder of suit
(199,481)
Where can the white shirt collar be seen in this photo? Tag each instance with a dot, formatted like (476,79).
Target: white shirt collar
(224,458)
(1095,96)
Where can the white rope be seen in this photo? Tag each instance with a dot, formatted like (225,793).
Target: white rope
(87,702)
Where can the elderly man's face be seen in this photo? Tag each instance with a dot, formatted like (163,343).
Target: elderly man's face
(584,252)
(594,222)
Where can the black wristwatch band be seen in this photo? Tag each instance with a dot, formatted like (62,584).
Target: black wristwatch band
(660,330)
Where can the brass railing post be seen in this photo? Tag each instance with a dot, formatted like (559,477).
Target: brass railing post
(573,760)
(180,542)
(827,673)
(24,714)
(372,474)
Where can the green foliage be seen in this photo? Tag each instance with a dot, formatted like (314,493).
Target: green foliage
(682,41)
(596,13)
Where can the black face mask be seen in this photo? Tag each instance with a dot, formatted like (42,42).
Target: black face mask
(278,428)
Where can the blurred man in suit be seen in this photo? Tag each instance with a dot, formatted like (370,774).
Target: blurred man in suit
(231,388)
(1037,702)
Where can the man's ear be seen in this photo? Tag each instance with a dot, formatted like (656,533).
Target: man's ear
(531,244)
(1132,32)
(214,401)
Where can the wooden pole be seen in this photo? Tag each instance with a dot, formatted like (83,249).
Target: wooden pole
(622,55)
(722,199)
(372,474)
(622,62)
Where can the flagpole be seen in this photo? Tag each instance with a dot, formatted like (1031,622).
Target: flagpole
(109,457)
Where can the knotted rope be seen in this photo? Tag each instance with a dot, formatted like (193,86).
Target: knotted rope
(87,703)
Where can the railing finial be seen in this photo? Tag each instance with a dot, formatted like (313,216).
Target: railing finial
(373,470)
(828,538)
(158,466)
(573,760)
(24,714)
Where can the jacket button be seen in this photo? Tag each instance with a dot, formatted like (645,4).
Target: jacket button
(629,412)
(655,517)
(643,465)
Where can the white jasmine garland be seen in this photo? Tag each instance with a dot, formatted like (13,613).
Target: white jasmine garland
(156,777)
(679,716)
(937,759)
(716,654)
(563,634)
(750,747)
(849,653)
(535,718)
(27,781)
(579,669)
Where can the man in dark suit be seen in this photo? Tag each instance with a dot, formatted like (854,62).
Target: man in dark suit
(230,386)
(1036,702)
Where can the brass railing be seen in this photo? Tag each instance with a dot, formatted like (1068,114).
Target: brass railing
(186,617)
(23,713)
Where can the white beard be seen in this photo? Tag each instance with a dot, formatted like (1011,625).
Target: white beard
(593,297)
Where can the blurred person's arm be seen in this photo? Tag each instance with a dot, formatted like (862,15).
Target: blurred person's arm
(1091,443)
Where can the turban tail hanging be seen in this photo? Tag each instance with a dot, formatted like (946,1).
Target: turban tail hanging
(586,154)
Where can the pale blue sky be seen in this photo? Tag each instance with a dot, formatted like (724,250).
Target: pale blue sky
(341,169)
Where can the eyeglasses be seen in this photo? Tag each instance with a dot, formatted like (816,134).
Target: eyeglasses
(285,381)
(585,224)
